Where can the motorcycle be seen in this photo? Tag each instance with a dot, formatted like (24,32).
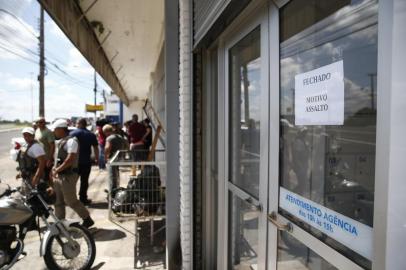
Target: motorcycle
(64,244)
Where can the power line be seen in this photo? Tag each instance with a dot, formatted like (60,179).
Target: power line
(61,70)
(7,39)
(67,74)
(51,61)
(55,72)
(25,49)
(17,54)
(70,78)
(21,22)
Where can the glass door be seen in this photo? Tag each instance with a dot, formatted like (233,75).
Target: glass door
(322,193)
(246,93)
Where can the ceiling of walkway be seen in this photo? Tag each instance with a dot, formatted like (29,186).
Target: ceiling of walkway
(131,34)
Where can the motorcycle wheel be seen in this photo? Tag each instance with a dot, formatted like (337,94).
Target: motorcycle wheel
(81,259)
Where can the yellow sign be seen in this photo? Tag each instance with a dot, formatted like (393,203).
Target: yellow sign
(94,108)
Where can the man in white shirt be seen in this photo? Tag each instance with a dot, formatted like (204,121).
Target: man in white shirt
(65,174)
(31,159)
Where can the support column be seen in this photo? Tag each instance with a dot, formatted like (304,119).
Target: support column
(185,146)
(173,253)
(390,184)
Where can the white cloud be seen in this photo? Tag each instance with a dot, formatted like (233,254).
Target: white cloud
(17,7)
(55,30)
(18,105)
(77,64)
(61,100)
(64,96)
(20,83)
(15,34)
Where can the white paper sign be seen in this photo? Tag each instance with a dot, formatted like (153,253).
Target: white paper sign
(347,231)
(319,96)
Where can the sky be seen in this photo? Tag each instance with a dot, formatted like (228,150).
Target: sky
(69,79)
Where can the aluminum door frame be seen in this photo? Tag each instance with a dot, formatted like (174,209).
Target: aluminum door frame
(326,252)
(256,14)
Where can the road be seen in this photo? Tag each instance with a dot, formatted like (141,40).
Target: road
(5,139)
(7,166)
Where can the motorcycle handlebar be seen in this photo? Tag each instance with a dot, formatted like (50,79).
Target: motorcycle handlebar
(9,192)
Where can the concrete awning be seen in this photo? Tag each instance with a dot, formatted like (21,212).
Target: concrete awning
(121,39)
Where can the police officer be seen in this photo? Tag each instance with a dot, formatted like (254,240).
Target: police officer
(31,159)
(65,174)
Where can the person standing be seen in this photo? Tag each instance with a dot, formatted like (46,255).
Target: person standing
(136,133)
(114,142)
(31,159)
(101,138)
(47,139)
(148,135)
(126,129)
(119,130)
(87,140)
(65,174)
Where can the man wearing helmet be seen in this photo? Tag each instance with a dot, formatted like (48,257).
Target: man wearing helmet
(31,159)
(65,174)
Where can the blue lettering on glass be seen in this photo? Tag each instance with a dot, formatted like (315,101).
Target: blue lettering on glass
(329,219)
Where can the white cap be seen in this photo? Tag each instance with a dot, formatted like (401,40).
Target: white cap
(60,123)
(28,130)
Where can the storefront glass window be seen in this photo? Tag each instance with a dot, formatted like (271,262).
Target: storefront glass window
(294,255)
(328,130)
(244,145)
(245,92)
(243,243)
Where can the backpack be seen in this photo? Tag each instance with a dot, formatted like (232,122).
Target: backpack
(142,195)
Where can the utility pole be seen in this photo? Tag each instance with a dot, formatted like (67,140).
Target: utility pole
(95,93)
(41,64)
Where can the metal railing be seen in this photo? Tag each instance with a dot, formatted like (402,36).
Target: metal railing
(136,197)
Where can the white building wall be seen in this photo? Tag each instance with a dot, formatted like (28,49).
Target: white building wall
(156,93)
(185,147)
(135,107)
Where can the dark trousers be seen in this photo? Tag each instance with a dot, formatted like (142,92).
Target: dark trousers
(84,172)
(47,171)
(138,152)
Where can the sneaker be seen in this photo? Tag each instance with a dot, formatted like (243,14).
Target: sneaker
(88,222)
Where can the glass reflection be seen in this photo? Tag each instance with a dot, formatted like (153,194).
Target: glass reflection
(293,255)
(333,165)
(243,240)
(245,94)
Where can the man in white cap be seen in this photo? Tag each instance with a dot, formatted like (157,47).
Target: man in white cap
(65,174)
(31,158)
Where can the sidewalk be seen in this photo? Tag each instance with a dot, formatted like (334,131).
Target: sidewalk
(114,244)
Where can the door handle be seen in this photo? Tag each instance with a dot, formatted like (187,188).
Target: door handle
(255,206)
(273,217)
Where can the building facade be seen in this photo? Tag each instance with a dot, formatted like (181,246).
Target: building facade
(297,159)
(284,123)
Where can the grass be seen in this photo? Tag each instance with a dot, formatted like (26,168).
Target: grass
(11,126)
